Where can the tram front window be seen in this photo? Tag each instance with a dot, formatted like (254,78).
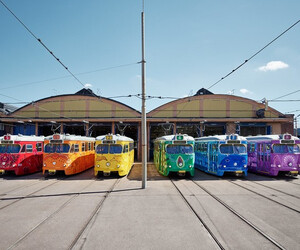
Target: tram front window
(115,149)
(179,149)
(108,149)
(286,149)
(57,148)
(232,149)
(11,149)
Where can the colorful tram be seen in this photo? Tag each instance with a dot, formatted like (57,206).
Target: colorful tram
(67,153)
(21,154)
(274,154)
(174,153)
(221,154)
(114,153)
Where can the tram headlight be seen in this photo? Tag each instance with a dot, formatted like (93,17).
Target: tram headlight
(107,164)
(235,164)
(98,166)
(170,166)
(65,165)
(14,165)
(190,166)
(45,164)
(245,166)
(224,166)
(279,166)
(290,164)
(118,166)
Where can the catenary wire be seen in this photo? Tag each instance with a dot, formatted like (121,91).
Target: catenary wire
(67,76)
(40,41)
(285,95)
(247,60)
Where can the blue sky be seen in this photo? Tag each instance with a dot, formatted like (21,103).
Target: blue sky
(190,44)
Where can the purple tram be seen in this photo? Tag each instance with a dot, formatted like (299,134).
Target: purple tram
(274,154)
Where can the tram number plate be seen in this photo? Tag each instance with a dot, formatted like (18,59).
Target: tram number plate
(239,172)
(52,171)
(181,172)
(294,172)
(2,171)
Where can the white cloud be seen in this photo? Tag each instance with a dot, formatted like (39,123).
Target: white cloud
(245,91)
(273,65)
(87,86)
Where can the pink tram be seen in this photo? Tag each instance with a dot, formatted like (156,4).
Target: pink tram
(274,154)
(21,154)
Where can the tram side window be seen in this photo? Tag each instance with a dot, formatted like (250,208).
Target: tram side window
(251,148)
(39,147)
(28,148)
(83,147)
(131,146)
(90,146)
(125,150)
(23,150)
(76,148)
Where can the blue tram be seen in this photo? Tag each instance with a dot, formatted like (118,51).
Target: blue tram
(221,154)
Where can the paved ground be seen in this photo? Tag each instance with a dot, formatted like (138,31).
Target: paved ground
(205,212)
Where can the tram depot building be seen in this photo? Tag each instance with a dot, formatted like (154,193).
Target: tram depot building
(84,113)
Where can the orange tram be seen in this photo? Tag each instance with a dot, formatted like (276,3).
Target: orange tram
(67,153)
(21,154)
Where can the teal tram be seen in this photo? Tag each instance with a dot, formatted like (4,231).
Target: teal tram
(174,153)
(221,154)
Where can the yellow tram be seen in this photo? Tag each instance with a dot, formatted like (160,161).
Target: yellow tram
(71,154)
(114,153)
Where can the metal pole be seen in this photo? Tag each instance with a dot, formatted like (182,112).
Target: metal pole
(144,121)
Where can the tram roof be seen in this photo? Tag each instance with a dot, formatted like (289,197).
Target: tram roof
(220,138)
(173,137)
(69,137)
(21,137)
(116,137)
(270,137)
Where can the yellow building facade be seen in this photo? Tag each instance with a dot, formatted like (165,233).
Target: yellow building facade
(84,113)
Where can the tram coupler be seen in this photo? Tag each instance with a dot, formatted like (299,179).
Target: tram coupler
(106,173)
(181,173)
(51,172)
(292,173)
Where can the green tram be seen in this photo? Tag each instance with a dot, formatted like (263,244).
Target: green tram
(174,153)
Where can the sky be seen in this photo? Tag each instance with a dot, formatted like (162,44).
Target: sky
(189,45)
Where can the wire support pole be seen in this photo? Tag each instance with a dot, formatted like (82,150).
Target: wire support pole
(144,120)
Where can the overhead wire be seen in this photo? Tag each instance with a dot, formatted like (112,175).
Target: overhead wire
(43,44)
(285,95)
(255,54)
(67,76)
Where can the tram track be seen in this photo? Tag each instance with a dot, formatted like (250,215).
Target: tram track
(24,186)
(266,197)
(198,217)
(73,196)
(261,195)
(91,219)
(19,198)
(269,238)
(275,189)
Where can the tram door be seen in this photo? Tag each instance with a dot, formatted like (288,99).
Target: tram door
(213,157)
(260,157)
